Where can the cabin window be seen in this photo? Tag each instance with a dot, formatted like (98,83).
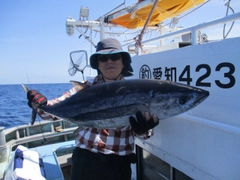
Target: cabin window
(150,167)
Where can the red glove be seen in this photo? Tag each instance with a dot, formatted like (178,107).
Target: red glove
(35,99)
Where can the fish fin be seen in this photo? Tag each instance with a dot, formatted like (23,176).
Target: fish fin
(79,85)
(34,115)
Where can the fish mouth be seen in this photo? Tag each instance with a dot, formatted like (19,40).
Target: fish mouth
(205,94)
(202,95)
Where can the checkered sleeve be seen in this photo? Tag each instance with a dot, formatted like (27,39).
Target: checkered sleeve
(66,95)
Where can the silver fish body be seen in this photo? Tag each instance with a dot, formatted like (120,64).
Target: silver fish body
(109,105)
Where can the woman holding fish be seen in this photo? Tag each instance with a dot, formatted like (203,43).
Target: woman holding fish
(104,153)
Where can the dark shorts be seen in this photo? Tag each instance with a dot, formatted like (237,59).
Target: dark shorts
(90,166)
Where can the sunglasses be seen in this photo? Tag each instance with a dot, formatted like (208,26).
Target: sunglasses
(113,57)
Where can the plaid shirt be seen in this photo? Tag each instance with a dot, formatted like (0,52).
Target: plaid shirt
(118,141)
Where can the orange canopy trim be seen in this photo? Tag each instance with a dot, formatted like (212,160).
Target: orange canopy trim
(165,9)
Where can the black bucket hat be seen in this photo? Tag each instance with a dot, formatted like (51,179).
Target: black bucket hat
(112,46)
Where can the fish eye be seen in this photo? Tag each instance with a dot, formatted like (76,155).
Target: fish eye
(183,99)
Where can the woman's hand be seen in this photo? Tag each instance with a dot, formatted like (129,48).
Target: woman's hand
(141,124)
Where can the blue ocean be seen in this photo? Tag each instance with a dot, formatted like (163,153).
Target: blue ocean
(14,110)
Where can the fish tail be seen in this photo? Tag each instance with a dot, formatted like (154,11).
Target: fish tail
(34,115)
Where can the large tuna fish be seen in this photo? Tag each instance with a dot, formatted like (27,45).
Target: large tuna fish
(109,105)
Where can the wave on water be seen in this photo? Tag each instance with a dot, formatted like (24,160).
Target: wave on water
(14,110)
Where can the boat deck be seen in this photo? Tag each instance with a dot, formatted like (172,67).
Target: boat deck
(54,157)
(57,160)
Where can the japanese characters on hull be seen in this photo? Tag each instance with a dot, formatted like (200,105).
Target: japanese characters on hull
(184,75)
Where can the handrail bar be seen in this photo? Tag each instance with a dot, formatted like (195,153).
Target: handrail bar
(193,29)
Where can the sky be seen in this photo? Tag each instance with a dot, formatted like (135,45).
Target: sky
(34,45)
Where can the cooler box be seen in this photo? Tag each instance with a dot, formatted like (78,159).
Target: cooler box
(25,164)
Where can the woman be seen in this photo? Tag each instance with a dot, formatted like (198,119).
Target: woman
(104,153)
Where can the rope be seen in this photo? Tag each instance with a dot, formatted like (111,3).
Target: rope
(224,27)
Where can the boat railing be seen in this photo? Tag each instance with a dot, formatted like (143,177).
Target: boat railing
(31,136)
(193,31)
(54,131)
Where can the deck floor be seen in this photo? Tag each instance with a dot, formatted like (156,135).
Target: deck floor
(57,160)
(51,161)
